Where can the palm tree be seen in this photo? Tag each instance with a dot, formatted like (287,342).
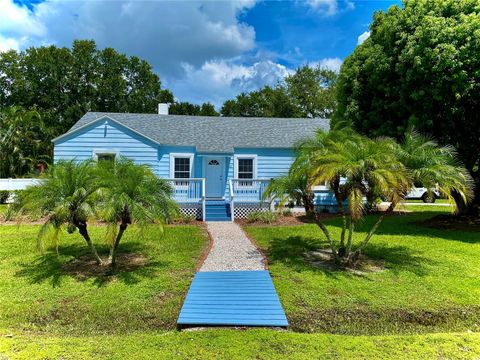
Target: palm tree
(65,196)
(357,168)
(293,186)
(436,167)
(23,142)
(133,195)
(354,166)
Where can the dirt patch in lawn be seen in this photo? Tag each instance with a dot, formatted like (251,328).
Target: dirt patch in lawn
(362,320)
(453,222)
(85,267)
(323,259)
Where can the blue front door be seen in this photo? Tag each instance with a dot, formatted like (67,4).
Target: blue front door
(214,176)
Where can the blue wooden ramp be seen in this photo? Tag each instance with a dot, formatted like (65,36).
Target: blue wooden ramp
(232,298)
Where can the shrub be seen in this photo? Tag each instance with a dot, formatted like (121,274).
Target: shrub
(287,212)
(4,195)
(186,219)
(267,217)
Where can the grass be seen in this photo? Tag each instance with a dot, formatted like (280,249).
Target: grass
(46,313)
(235,344)
(3,209)
(36,295)
(437,201)
(431,282)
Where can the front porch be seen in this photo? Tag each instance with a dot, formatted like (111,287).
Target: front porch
(243,196)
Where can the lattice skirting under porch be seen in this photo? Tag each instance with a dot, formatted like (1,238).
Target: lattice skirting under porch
(242,210)
(192,210)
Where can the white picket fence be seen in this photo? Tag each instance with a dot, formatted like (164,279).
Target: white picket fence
(17,184)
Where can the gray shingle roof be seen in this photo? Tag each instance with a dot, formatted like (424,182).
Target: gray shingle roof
(215,134)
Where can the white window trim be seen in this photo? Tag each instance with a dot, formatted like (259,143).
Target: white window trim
(97,152)
(173,156)
(235,171)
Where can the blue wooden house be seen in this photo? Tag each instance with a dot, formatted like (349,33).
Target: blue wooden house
(218,166)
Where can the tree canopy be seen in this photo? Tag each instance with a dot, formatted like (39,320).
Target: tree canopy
(64,83)
(309,92)
(419,67)
(24,142)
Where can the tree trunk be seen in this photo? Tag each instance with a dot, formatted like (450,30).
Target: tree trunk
(350,237)
(113,249)
(322,226)
(356,254)
(335,186)
(307,199)
(82,229)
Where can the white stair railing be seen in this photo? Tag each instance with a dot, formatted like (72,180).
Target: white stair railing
(232,205)
(204,201)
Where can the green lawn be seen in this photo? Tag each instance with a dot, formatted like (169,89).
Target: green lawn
(237,344)
(36,295)
(437,201)
(431,281)
(421,307)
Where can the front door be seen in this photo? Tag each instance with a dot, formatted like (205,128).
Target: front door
(214,177)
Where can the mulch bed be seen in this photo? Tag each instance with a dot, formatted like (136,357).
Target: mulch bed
(85,267)
(322,258)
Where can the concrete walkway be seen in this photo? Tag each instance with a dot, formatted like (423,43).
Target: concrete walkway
(232,250)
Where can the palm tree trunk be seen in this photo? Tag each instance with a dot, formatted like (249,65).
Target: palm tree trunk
(354,256)
(113,249)
(82,229)
(322,226)
(350,236)
(335,185)
(308,204)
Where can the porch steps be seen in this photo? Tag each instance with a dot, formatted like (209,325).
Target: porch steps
(217,210)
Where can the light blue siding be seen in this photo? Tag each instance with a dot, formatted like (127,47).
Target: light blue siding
(107,136)
(271,163)
(164,153)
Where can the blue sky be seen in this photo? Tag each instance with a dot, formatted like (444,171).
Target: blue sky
(203,50)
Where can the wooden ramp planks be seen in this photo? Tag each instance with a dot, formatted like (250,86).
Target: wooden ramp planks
(232,298)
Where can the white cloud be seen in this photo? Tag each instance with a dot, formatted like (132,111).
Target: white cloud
(216,81)
(18,20)
(364,36)
(164,33)
(331,63)
(328,7)
(8,44)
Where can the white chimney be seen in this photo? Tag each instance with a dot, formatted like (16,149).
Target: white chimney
(163,109)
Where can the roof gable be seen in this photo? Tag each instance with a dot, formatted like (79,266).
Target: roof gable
(208,133)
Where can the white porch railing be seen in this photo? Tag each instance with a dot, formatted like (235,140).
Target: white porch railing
(187,190)
(246,190)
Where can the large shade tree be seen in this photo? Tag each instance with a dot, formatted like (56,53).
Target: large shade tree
(309,92)
(64,83)
(419,67)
